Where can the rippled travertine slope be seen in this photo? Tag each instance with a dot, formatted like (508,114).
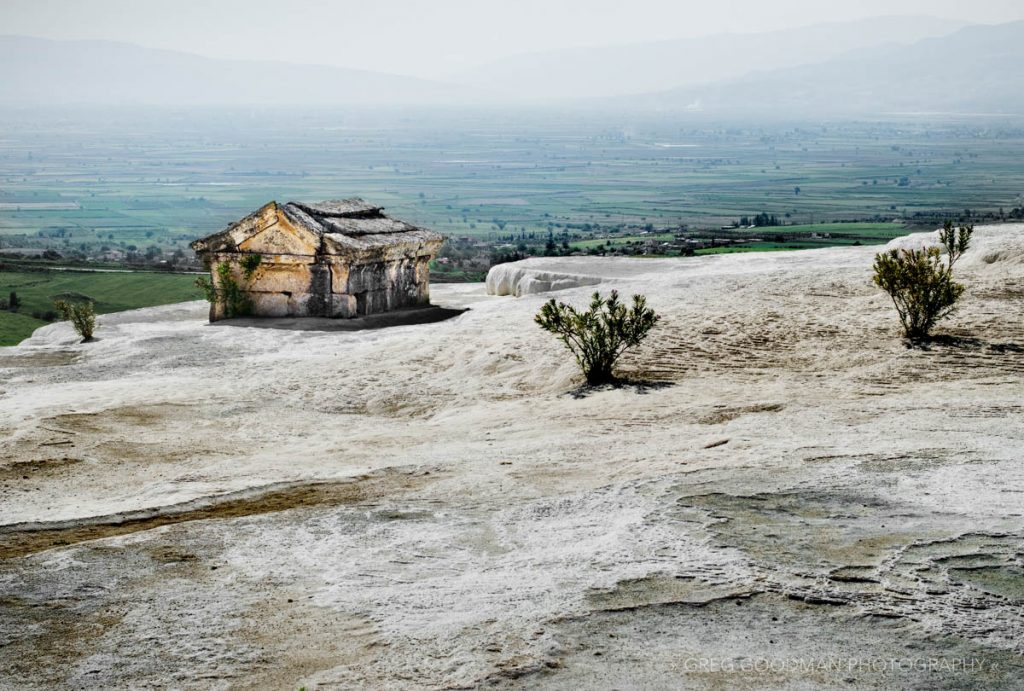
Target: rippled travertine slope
(784,496)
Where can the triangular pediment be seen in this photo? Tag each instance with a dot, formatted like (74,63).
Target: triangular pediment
(277,234)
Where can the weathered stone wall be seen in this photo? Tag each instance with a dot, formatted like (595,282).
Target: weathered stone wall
(309,286)
(390,285)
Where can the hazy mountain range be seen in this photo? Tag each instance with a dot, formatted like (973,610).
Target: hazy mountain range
(661,65)
(45,72)
(884,65)
(977,69)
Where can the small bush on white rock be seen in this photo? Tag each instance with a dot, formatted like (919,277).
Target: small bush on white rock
(600,335)
(81,315)
(920,283)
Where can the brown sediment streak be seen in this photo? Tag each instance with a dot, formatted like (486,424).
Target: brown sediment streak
(23,539)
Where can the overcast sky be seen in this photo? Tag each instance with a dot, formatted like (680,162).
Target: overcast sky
(432,38)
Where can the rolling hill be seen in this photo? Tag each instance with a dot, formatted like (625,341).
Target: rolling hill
(43,72)
(976,70)
(637,68)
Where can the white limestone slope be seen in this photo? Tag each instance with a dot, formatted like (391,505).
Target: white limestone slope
(438,505)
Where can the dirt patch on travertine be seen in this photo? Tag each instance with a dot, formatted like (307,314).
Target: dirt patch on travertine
(113,435)
(43,467)
(321,638)
(110,420)
(722,413)
(18,541)
(59,634)
(46,358)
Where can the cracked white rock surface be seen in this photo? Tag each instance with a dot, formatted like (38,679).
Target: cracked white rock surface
(437,505)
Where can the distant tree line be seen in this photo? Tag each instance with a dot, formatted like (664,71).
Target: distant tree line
(967,216)
(762,220)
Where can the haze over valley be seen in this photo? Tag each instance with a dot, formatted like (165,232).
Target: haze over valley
(867,68)
(511,344)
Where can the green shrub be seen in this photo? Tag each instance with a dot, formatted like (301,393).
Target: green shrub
(250,263)
(81,315)
(227,292)
(599,336)
(920,282)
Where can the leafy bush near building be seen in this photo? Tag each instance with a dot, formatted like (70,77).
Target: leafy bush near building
(598,336)
(226,291)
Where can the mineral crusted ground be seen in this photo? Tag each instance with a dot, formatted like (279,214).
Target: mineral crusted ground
(786,495)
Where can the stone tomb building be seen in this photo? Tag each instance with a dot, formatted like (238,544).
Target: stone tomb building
(328,259)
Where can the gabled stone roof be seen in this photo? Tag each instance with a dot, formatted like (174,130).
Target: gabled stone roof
(345,226)
(352,217)
(340,208)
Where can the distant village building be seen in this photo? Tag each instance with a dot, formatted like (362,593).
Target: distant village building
(328,259)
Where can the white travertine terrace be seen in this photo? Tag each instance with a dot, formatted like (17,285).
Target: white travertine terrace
(433,505)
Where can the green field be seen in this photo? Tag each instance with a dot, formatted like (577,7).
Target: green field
(763,239)
(112,292)
(159,180)
(859,231)
(618,241)
(752,247)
